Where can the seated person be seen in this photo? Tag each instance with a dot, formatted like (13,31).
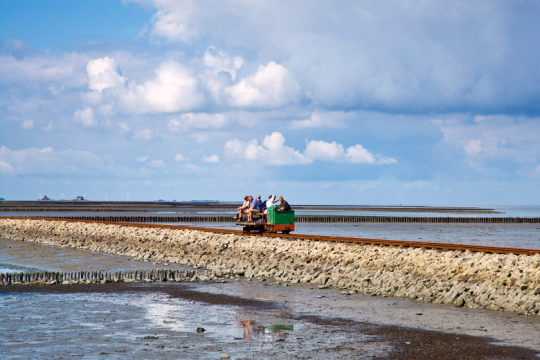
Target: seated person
(283,205)
(242,208)
(270,203)
(255,208)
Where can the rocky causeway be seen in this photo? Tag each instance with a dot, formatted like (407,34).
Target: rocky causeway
(504,282)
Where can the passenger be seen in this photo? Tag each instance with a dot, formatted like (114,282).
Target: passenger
(255,208)
(242,208)
(270,203)
(283,205)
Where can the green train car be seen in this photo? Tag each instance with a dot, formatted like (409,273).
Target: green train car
(275,221)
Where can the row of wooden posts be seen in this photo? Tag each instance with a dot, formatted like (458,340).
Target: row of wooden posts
(315,219)
(98,276)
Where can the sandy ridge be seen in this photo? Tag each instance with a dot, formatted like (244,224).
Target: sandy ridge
(493,281)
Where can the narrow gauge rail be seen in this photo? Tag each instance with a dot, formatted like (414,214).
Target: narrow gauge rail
(383,242)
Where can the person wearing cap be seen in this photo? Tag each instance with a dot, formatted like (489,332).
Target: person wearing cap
(255,208)
(243,208)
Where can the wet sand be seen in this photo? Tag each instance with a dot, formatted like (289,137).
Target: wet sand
(236,325)
(121,320)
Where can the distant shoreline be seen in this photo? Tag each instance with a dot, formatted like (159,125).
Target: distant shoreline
(85,205)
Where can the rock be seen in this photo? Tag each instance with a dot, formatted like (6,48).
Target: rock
(200,330)
(224,356)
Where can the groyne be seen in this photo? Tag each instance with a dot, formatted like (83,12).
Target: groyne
(93,277)
(311,219)
(505,282)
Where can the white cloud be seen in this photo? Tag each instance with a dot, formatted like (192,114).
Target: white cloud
(48,161)
(172,89)
(85,117)
(172,20)
(218,61)
(322,150)
(5,167)
(197,121)
(103,73)
(334,119)
(332,151)
(211,159)
(354,59)
(63,68)
(27,125)
(179,157)
(271,86)
(142,159)
(359,154)
(272,151)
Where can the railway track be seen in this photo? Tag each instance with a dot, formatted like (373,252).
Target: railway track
(342,239)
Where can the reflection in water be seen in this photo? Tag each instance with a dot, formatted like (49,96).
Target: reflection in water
(252,330)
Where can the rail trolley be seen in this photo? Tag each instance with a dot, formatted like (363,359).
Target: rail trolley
(274,221)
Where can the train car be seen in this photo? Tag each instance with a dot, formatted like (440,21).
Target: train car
(275,221)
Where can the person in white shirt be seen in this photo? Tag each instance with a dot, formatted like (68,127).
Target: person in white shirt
(270,202)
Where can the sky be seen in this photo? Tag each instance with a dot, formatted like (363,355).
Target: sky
(323,102)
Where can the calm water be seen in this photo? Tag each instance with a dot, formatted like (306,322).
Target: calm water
(505,235)
(503,211)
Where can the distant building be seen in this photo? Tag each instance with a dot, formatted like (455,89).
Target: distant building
(45,198)
(79,198)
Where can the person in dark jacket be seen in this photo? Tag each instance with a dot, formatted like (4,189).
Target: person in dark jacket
(283,205)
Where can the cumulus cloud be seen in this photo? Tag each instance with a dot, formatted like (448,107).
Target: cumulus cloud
(85,117)
(218,61)
(172,20)
(272,151)
(172,89)
(211,159)
(179,157)
(103,73)
(354,59)
(142,159)
(333,151)
(271,86)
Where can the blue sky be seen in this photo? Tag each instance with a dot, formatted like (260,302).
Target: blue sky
(353,102)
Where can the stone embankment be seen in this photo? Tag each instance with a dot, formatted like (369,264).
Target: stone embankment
(477,280)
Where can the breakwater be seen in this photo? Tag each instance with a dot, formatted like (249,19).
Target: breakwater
(92,277)
(506,282)
(314,219)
